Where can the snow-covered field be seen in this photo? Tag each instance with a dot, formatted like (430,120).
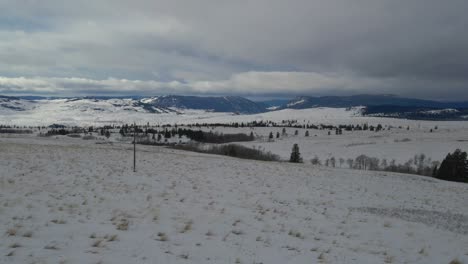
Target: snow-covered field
(66,200)
(398,144)
(69,200)
(88,112)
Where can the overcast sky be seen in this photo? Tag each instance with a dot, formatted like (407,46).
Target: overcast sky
(416,48)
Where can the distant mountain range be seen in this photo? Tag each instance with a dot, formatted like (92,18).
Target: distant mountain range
(303,102)
(156,104)
(235,104)
(387,106)
(375,105)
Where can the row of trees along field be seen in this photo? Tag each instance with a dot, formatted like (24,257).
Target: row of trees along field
(453,168)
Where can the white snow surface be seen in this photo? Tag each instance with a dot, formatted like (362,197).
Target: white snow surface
(66,200)
(86,112)
(397,144)
(296,102)
(441,111)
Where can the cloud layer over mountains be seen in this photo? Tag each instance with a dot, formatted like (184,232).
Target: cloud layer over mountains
(412,48)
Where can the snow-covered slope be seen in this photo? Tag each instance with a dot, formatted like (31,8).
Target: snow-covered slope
(215,104)
(159,104)
(72,201)
(90,111)
(12,104)
(302,102)
(85,111)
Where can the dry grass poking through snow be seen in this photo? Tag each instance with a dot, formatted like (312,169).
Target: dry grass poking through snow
(67,203)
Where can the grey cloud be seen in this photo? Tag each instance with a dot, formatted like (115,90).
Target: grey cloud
(413,48)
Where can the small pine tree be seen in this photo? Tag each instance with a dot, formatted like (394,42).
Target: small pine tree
(270,137)
(295,154)
(307,133)
(277,134)
(167,134)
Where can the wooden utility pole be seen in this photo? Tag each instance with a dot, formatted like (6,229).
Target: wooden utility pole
(134,147)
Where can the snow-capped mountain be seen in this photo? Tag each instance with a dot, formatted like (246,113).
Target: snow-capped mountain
(303,102)
(111,110)
(235,104)
(90,110)
(158,104)
(8,103)
(386,106)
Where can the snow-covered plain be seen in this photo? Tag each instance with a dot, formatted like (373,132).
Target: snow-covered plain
(89,112)
(66,200)
(397,144)
(69,200)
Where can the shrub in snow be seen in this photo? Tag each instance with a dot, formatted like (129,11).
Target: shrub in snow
(232,150)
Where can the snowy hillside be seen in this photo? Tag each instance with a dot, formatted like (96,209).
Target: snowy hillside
(192,109)
(74,201)
(12,104)
(397,144)
(88,111)
(117,109)
(214,104)
(302,102)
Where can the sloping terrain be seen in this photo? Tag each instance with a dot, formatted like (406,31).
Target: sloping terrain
(386,106)
(216,104)
(72,201)
(184,109)
(303,102)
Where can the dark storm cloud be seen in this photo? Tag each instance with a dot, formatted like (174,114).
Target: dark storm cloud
(413,48)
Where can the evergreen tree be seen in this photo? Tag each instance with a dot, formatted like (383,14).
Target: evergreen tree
(277,134)
(167,134)
(454,167)
(307,133)
(295,154)
(270,137)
